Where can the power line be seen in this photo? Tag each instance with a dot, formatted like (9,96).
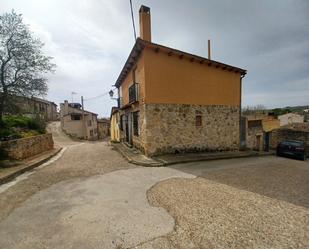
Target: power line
(133,20)
(99,96)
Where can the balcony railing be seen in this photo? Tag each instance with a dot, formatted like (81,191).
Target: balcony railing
(133,93)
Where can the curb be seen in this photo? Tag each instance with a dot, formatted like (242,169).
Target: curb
(132,161)
(13,175)
(164,163)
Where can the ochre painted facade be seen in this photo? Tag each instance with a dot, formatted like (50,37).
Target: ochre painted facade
(172,80)
(135,75)
(184,102)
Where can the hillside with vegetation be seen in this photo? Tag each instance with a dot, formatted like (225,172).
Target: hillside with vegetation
(260,109)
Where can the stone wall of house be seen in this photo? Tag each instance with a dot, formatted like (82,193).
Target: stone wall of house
(280,135)
(253,134)
(171,128)
(27,147)
(103,129)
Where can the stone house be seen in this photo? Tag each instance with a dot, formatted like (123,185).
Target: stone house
(258,130)
(31,106)
(290,118)
(103,128)
(172,101)
(78,123)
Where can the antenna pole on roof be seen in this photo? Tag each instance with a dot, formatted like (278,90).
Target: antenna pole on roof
(209,50)
(132,16)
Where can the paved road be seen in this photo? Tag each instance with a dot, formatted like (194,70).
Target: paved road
(92,198)
(89,198)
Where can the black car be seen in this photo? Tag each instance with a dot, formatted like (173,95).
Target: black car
(292,148)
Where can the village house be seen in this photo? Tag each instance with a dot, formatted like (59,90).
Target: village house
(33,106)
(258,128)
(173,101)
(77,122)
(290,118)
(103,128)
(114,125)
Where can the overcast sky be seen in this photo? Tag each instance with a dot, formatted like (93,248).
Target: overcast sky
(91,39)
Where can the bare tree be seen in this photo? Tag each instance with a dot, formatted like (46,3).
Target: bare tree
(22,61)
(254,109)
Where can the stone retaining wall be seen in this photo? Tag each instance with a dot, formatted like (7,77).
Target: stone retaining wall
(171,128)
(27,147)
(279,135)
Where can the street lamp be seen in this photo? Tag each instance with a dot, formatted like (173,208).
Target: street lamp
(111,93)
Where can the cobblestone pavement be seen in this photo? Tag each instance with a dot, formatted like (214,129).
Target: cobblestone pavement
(79,160)
(90,197)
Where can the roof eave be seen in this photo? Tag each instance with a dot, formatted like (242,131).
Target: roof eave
(130,62)
(141,44)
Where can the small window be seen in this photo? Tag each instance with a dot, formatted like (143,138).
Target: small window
(75,117)
(135,123)
(91,133)
(198,120)
(89,123)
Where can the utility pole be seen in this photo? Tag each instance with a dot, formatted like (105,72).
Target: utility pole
(84,121)
(132,16)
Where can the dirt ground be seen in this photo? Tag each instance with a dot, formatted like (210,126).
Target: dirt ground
(261,204)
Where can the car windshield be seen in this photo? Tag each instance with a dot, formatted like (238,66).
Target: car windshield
(293,143)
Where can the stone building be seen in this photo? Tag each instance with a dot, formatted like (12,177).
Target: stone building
(103,128)
(78,123)
(290,118)
(32,106)
(258,130)
(172,101)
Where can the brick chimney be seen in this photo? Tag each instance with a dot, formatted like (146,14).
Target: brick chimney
(144,23)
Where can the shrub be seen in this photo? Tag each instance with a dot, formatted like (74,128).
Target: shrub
(37,124)
(16,121)
(17,126)
(3,155)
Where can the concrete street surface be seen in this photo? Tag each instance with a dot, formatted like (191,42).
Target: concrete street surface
(90,197)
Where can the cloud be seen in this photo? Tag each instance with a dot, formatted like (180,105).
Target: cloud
(91,39)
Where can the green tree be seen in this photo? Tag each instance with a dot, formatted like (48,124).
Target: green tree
(22,62)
